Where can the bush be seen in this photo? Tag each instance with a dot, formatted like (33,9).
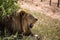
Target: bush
(7,7)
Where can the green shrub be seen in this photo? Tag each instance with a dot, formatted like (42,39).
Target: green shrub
(7,7)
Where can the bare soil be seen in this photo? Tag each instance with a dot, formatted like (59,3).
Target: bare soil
(43,7)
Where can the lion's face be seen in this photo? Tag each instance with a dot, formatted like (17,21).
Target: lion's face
(31,20)
(28,18)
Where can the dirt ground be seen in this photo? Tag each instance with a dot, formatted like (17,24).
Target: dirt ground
(43,7)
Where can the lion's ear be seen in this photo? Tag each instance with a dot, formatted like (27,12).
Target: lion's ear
(23,14)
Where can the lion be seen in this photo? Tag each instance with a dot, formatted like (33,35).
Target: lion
(21,22)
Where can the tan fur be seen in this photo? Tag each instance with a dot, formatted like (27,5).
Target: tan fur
(16,24)
(27,19)
(21,22)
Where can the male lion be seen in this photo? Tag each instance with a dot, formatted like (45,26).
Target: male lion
(20,22)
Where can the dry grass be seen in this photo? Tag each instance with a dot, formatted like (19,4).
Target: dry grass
(48,28)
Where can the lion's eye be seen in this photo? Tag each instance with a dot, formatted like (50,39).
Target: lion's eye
(30,16)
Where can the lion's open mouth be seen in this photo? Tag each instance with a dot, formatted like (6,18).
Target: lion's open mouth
(31,25)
